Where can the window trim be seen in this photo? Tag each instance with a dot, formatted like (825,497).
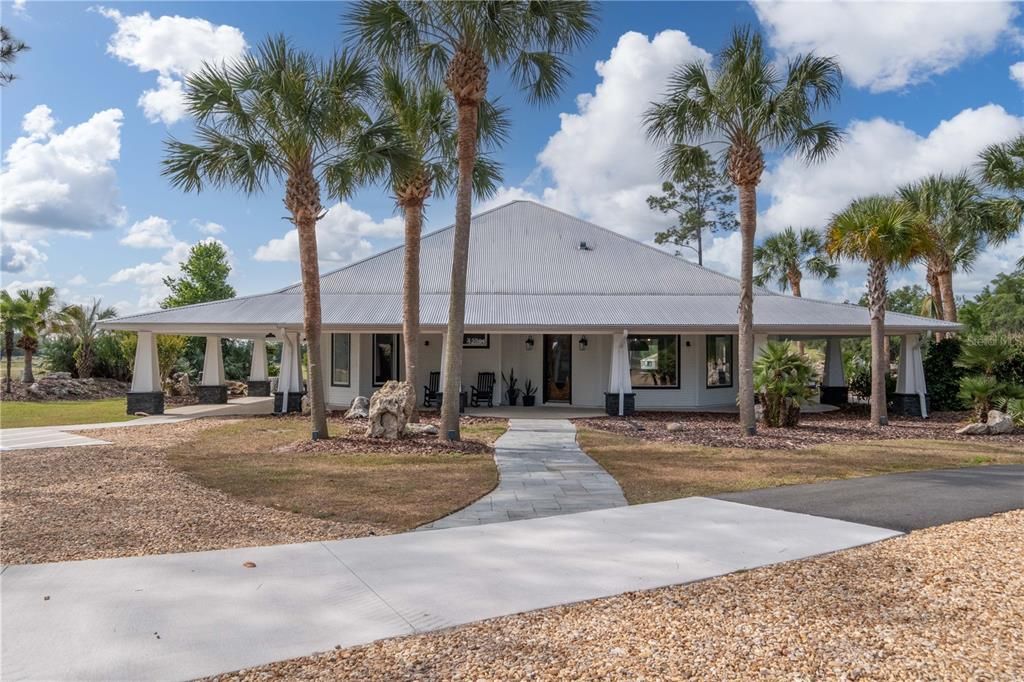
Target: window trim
(348,384)
(679,361)
(397,374)
(732,361)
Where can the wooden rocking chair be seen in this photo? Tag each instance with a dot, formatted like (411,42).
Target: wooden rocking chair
(483,391)
(431,389)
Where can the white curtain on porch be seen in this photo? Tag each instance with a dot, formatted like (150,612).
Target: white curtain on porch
(619,380)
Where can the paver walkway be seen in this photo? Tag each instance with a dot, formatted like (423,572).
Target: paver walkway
(182,616)
(543,473)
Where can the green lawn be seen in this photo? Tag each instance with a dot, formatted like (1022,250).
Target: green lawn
(61,412)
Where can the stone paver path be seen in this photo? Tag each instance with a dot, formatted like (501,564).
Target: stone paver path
(543,473)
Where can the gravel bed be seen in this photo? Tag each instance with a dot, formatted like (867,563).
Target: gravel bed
(945,603)
(722,430)
(62,504)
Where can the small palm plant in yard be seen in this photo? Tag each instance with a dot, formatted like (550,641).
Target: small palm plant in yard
(81,324)
(983,390)
(43,316)
(745,105)
(984,393)
(14,315)
(882,232)
(279,114)
(781,379)
(459,43)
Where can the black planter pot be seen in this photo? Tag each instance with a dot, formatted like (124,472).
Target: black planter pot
(529,400)
(512,397)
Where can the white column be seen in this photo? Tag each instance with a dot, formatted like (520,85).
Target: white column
(760,341)
(833,375)
(213,363)
(292,358)
(146,377)
(258,366)
(910,376)
(444,344)
(496,339)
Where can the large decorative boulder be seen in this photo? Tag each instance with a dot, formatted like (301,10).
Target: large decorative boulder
(975,429)
(359,409)
(999,423)
(420,430)
(390,410)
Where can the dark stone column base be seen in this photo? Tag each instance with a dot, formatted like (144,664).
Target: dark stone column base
(909,404)
(212,395)
(150,402)
(611,404)
(258,389)
(294,402)
(835,395)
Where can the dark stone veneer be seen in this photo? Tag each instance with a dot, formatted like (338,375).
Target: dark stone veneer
(150,402)
(294,402)
(257,389)
(212,395)
(611,404)
(909,404)
(835,395)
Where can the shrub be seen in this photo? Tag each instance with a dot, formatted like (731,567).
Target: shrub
(942,375)
(1011,368)
(59,354)
(781,378)
(984,392)
(1014,407)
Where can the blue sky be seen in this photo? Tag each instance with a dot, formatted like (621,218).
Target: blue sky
(84,206)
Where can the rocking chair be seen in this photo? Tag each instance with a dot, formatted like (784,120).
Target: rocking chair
(431,389)
(483,391)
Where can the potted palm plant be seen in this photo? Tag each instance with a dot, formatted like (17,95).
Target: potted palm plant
(529,394)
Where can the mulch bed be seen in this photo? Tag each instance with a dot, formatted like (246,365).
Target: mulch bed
(851,424)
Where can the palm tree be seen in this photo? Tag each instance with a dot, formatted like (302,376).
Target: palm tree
(81,323)
(9,49)
(960,220)
(884,233)
(42,317)
(459,43)
(783,258)
(425,119)
(745,106)
(1002,168)
(280,114)
(14,315)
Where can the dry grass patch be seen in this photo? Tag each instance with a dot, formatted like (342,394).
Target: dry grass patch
(394,485)
(656,471)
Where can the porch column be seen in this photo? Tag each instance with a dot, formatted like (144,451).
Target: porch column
(289,382)
(760,341)
(259,374)
(212,389)
(911,397)
(146,394)
(834,390)
(444,345)
(498,393)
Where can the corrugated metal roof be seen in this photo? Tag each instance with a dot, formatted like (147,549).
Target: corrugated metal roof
(527,271)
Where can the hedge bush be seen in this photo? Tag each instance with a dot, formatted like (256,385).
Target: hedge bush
(941,374)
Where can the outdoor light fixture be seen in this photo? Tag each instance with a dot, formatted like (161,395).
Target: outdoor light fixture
(529,343)
(583,343)
(270,335)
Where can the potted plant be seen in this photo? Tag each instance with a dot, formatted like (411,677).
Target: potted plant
(529,394)
(511,386)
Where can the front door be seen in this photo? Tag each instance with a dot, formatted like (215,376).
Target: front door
(557,368)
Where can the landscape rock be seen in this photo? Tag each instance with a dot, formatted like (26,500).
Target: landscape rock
(675,426)
(178,384)
(307,405)
(421,430)
(61,386)
(390,410)
(977,429)
(359,409)
(999,423)
(58,376)
(237,389)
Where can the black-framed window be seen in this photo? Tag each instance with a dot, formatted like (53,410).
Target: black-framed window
(719,361)
(385,358)
(341,359)
(654,361)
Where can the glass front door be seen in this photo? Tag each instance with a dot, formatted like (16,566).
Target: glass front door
(557,368)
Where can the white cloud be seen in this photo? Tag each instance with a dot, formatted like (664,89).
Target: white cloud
(20,8)
(61,180)
(1017,73)
(20,256)
(149,277)
(343,236)
(879,155)
(887,46)
(173,47)
(18,285)
(77,281)
(152,233)
(209,227)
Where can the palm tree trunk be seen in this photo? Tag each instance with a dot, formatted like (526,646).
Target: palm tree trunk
(794,286)
(933,284)
(302,197)
(27,377)
(411,303)
(700,247)
(879,358)
(8,351)
(748,226)
(945,278)
(460,265)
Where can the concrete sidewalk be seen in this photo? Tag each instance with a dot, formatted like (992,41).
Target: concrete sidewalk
(181,616)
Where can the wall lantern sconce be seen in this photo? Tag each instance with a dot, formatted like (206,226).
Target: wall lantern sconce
(426,342)
(583,343)
(687,344)
(269,336)
(529,343)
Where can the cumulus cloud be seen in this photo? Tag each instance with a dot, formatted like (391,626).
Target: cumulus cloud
(77,281)
(32,284)
(343,236)
(152,233)
(20,256)
(210,227)
(149,277)
(64,180)
(1017,73)
(888,46)
(173,47)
